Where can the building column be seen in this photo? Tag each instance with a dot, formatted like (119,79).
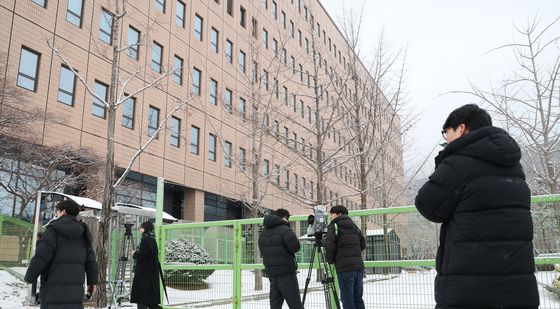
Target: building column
(193,209)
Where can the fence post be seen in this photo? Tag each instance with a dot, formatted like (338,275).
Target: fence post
(237,254)
(158,229)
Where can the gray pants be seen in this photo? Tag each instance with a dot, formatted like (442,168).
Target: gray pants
(284,288)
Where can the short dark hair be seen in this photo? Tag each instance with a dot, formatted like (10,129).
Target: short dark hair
(71,207)
(471,115)
(148,226)
(282,213)
(339,209)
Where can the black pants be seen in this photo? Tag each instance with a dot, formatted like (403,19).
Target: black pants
(284,288)
(146,306)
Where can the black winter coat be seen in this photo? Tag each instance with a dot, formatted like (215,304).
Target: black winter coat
(485,255)
(344,245)
(145,285)
(64,256)
(278,245)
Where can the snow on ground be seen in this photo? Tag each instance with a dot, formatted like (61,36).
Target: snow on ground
(394,291)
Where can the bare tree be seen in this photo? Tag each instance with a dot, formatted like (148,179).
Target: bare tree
(26,168)
(120,90)
(527,104)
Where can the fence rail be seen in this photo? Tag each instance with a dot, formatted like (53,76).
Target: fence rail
(217,264)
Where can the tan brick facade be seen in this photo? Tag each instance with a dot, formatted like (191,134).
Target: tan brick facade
(25,23)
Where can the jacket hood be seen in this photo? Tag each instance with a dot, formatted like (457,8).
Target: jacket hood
(490,144)
(68,227)
(271,221)
(344,221)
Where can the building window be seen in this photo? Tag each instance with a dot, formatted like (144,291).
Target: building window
(296,182)
(294,103)
(255,72)
(307,45)
(242,156)
(160,5)
(212,147)
(213,92)
(254,25)
(275,88)
(42,3)
(242,17)
(276,128)
(133,42)
(227,154)
(106,27)
(127,120)
(242,108)
(266,167)
(287,179)
(305,12)
(264,4)
(180,14)
(294,140)
(178,70)
(196,81)
(195,134)
(277,174)
(293,64)
(242,61)
(175,131)
(299,37)
(283,19)
(198,24)
(292,29)
(285,94)
(157,54)
(228,98)
(74,12)
(302,109)
(301,73)
(214,36)
(264,80)
(229,7)
(283,57)
(66,86)
(275,47)
(153,121)
(274,10)
(265,38)
(286,133)
(98,108)
(229,51)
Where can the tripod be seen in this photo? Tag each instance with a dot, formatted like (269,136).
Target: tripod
(120,290)
(325,273)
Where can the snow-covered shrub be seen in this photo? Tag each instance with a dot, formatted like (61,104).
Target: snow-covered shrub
(182,250)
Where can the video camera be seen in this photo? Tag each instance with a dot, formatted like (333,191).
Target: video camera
(317,221)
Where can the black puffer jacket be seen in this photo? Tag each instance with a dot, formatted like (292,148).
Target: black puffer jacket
(64,255)
(478,191)
(278,245)
(145,286)
(344,244)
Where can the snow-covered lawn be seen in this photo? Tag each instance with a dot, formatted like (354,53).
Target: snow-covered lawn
(405,290)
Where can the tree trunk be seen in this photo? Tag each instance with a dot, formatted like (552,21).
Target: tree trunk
(102,246)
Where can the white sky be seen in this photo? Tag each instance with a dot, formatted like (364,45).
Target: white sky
(449,43)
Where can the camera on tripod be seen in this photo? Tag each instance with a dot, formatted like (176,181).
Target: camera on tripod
(317,222)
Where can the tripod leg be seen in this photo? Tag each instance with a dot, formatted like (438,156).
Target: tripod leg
(309,273)
(330,286)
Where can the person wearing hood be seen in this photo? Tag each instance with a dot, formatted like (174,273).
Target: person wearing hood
(145,290)
(64,255)
(278,245)
(344,244)
(479,194)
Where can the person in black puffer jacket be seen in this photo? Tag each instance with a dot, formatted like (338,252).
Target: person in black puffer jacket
(278,245)
(343,248)
(479,194)
(63,255)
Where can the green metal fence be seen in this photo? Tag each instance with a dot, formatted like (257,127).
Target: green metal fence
(217,264)
(15,241)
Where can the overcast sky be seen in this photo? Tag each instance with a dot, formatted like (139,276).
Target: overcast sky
(449,43)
